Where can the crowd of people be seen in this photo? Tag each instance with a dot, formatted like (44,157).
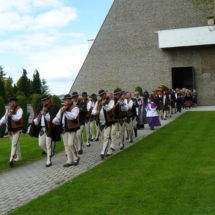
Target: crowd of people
(109,113)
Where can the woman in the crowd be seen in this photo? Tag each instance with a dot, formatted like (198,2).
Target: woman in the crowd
(187,99)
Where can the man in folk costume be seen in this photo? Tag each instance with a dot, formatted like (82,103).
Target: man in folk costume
(159,99)
(172,102)
(141,119)
(14,118)
(82,113)
(104,110)
(132,113)
(88,117)
(93,121)
(43,128)
(120,109)
(68,118)
(166,104)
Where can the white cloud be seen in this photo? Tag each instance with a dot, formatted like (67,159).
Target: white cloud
(12,21)
(54,18)
(26,6)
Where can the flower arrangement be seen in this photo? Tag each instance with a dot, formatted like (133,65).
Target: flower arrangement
(179,93)
(162,86)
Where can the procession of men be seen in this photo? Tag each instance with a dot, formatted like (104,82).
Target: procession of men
(116,117)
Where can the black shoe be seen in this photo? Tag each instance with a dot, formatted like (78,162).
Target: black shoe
(88,145)
(44,153)
(97,139)
(76,162)
(80,152)
(11,163)
(108,155)
(135,132)
(102,156)
(112,149)
(131,141)
(122,147)
(127,138)
(91,139)
(164,118)
(48,165)
(67,165)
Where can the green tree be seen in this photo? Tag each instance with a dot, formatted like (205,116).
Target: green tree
(36,84)
(2,90)
(9,87)
(118,88)
(139,89)
(205,6)
(2,112)
(55,99)
(23,104)
(19,93)
(23,84)
(2,73)
(44,87)
(36,102)
(14,90)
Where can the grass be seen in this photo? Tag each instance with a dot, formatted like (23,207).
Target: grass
(170,172)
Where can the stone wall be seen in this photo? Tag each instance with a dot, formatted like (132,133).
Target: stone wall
(125,53)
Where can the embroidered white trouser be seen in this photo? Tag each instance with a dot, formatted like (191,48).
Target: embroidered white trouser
(115,128)
(15,147)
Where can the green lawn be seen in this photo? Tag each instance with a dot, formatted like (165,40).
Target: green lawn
(170,172)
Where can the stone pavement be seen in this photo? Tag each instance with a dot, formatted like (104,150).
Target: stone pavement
(21,185)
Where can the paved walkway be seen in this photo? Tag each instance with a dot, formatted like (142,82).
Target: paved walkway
(21,185)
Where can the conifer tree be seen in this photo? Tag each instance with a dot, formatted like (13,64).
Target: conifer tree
(2,112)
(23,84)
(2,91)
(23,104)
(14,89)
(36,84)
(55,99)
(44,87)
(36,102)
(9,87)
(2,73)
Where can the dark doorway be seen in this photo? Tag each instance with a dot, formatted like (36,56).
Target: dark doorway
(183,77)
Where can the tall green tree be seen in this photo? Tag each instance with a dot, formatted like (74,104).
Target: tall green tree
(23,84)
(44,87)
(36,84)
(205,6)
(23,104)
(36,102)
(9,87)
(2,73)
(2,90)
(2,112)
(56,100)
(14,89)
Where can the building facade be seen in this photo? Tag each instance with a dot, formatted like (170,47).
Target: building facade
(150,42)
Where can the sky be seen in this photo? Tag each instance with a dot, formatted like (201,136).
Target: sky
(50,36)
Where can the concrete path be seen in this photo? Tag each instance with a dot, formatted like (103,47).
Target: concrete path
(21,185)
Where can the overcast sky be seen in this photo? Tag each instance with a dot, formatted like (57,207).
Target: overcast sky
(50,36)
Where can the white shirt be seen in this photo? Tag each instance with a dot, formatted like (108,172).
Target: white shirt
(42,121)
(130,104)
(15,117)
(107,107)
(73,114)
(89,104)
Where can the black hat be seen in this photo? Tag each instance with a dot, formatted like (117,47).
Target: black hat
(74,94)
(84,94)
(93,96)
(12,99)
(44,97)
(101,92)
(117,91)
(67,96)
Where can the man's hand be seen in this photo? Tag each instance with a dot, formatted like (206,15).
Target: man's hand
(9,113)
(36,123)
(43,113)
(55,121)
